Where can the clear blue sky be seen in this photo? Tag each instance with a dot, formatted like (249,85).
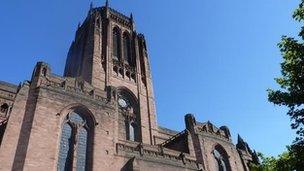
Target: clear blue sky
(214,59)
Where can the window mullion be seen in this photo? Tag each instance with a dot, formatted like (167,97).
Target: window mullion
(74,142)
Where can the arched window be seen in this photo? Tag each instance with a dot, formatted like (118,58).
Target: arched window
(129,118)
(75,142)
(116,44)
(221,158)
(127,48)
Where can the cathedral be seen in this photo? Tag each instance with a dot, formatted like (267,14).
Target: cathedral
(100,115)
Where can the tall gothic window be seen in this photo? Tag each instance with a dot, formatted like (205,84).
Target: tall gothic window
(127,48)
(116,44)
(129,118)
(75,142)
(221,158)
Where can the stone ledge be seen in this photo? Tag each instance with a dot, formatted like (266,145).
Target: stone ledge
(156,154)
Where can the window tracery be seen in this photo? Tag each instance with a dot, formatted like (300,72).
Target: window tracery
(74,142)
(128,109)
(221,158)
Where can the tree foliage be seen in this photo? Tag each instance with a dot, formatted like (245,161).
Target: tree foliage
(284,162)
(291,93)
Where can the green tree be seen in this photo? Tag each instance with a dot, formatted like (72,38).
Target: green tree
(291,82)
(283,162)
(267,164)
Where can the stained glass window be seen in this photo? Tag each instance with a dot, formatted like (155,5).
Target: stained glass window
(81,149)
(74,143)
(65,154)
(76,119)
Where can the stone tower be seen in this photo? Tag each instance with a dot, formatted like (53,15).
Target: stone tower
(108,52)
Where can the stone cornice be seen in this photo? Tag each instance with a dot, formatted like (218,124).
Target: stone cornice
(156,154)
